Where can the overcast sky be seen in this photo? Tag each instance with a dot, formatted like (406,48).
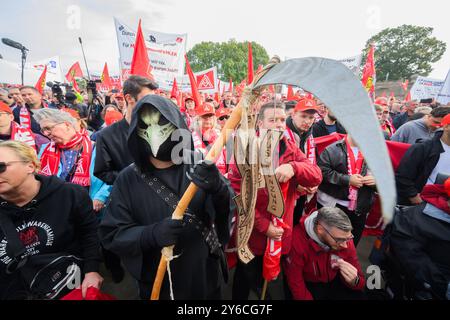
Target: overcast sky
(324,28)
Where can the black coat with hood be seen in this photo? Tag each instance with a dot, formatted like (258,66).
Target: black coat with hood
(59,220)
(135,209)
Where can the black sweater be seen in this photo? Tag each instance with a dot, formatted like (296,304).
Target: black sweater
(112,152)
(60,219)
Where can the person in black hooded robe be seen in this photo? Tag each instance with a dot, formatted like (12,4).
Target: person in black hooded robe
(138,224)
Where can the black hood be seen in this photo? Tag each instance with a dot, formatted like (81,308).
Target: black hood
(136,145)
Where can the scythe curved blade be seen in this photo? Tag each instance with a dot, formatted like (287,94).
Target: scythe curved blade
(343,93)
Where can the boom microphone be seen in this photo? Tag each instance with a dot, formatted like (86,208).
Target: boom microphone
(14,44)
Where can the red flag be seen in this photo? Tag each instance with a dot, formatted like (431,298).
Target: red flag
(405,85)
(140,64)
(290,93)
(250,64)
(106,80)
(217,97)
(240,87)
(74,71)
(195,93)
(230,86)
(408,97)
(384,94)
(174,93)
(392,94)
(368,74)
(40,84)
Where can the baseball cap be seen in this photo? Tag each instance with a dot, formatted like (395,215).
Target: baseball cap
(306,104)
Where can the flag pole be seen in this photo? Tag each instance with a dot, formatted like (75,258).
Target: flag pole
(84,56)
(263,294)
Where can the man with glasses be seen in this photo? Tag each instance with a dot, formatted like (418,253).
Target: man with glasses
(222,115)
(322,264)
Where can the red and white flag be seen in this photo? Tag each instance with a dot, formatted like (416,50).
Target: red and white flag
(40,85)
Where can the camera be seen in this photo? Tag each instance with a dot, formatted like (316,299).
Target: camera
(58,92)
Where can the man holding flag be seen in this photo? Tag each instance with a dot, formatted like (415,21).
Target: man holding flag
(294,169)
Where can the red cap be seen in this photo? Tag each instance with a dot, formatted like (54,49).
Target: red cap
(381,101)
(188,97)
(119,95)
(222,112)
(204,109)
(306,104)
(112,116)
(4,107)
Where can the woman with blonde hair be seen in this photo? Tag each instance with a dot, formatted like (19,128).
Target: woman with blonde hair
(44,224)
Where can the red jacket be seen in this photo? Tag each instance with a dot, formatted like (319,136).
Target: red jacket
(309,262)
(306,174)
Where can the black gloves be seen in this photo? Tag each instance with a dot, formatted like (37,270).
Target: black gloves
(206,176)
(162,234)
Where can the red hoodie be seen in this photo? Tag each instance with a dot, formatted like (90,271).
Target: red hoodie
(309,262)
(306,174)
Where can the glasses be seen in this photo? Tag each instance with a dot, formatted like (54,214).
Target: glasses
(5,165)
(338,240)
(49,129)
(224,118)
(385,112)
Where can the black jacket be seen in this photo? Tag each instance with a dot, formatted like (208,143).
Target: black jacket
(400,120)
(35,127)
(421,244)
(416,166)
(336,181)
(135,209)
(60,219)
(112,152)
(320,129)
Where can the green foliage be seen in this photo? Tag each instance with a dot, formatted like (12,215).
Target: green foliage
(405,51)
(230,58)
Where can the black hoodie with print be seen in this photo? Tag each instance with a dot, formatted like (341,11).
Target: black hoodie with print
(60,219)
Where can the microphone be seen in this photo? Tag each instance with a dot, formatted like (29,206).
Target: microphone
(14,44)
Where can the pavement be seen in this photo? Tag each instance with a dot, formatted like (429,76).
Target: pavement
(127,289)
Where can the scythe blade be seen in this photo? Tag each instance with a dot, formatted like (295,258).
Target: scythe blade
(343,93)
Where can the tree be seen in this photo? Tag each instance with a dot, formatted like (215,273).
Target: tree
(230,58)
(405,51)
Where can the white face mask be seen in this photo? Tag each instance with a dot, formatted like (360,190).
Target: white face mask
(155,134)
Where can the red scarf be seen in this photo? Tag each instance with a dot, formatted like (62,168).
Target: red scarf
(19,133)
(25,117)
(388,127)
(310,146)
(52,154)
(354,167)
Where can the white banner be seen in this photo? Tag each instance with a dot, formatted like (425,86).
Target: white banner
(206,81)
(353,63)
(426,88)
(10,72)
(444,94)
(165,50)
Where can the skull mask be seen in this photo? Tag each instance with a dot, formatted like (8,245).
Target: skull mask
(156,130)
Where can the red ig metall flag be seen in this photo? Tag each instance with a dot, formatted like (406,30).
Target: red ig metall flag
(106,80)
(368,74)
(40,85)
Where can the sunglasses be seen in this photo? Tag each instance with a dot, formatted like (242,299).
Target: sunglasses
(5,165)
(224,118)
(338,240)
